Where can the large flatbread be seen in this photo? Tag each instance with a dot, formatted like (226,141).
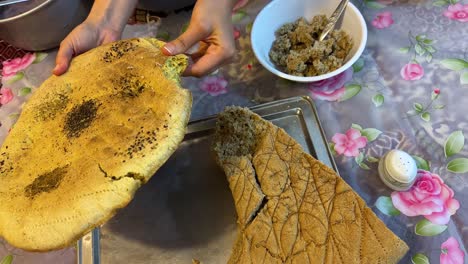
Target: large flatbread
(292,208)
(87,140)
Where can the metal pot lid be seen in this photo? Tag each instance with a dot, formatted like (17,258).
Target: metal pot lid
(15,9)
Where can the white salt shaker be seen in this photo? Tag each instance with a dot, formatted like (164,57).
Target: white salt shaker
(398,170)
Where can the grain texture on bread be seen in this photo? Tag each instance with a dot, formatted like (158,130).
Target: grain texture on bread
(291,207)
(87,140)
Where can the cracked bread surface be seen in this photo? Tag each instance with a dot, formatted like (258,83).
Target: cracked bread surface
(292,208)
(87,140)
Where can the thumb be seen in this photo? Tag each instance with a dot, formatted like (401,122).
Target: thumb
(184,42)
(63,58)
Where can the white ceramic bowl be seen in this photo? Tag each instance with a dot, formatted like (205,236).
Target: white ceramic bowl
(279,12)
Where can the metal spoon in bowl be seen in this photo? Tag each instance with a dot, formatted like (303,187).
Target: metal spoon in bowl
(333,19)
(9,2)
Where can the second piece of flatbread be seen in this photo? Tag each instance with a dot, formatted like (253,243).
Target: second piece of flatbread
(292,208)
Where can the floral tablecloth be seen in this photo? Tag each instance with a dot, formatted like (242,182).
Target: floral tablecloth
(408,91)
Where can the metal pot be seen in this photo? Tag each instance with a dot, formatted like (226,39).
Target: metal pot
(45,25)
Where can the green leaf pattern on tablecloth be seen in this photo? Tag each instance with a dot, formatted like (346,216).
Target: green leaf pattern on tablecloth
(464,77)
(458,65)
(454,143)
(358,65)
(18,76)
(370,133)
(424,111)
(421,47)
(350,91)
(420,258)
(426,228)
(378,99)
(421,163)
(24,91)
(374,4)
(385,205)
(40,56)
(7,260)
(458,165)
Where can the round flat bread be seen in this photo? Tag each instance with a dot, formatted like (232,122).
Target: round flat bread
(87,140)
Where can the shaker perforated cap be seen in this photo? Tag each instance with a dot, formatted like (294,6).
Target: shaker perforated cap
(398,170)
(401,166)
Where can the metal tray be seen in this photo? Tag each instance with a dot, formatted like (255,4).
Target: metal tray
(186,210)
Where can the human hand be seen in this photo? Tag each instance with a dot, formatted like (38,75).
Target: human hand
(104,24)
(84,37)
(211,25)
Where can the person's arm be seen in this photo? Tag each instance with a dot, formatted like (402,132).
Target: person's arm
(104,24)
(211,24)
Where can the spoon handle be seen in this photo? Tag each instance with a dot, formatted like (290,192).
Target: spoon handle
(333,19)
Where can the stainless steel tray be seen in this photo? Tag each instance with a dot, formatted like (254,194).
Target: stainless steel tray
(186,210)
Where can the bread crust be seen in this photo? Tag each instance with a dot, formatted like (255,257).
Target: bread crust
(87,140)
(291,207)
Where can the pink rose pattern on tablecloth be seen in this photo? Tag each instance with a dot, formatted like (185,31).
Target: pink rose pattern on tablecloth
(331,89)
(383,20)
(6,95)
(214,85)
(348,144)
(451,252)
(12,67)
(429,197)
(352,144)
(412,72)
(457,12)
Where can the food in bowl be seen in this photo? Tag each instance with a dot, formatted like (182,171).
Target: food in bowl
(297,50)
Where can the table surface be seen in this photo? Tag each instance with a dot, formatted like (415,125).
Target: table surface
(408,91)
